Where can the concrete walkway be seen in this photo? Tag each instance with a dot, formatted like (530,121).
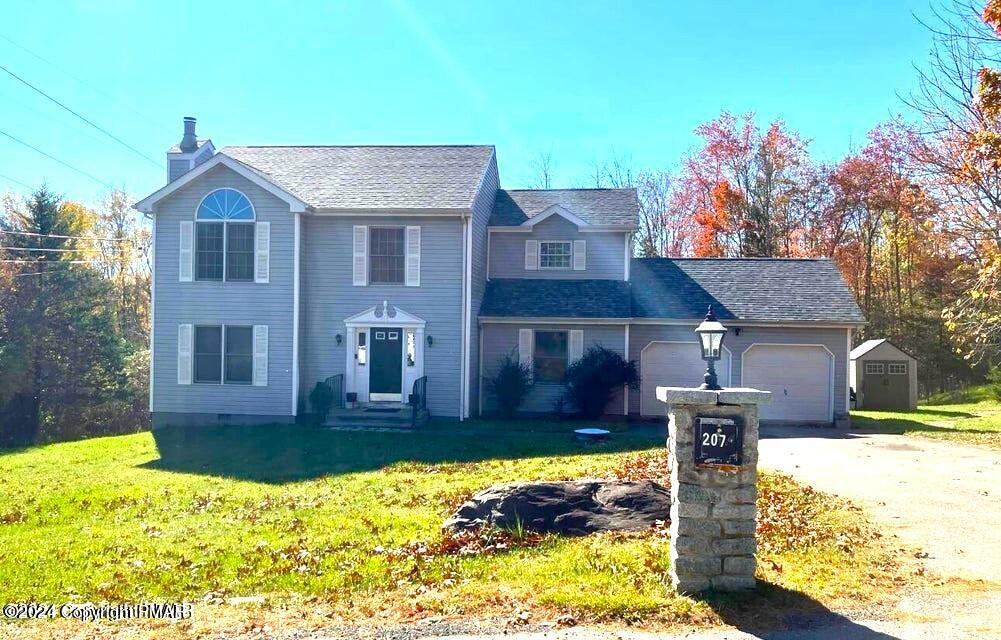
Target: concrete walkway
(941,497)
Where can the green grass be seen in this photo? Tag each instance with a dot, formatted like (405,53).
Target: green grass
(294,512)
(970,416)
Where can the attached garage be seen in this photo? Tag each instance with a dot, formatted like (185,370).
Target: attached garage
(800,377)
(674,364)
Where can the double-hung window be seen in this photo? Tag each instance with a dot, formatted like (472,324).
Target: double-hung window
(550,356)
(224,237)
(555,255)
(387,255)
(224,354)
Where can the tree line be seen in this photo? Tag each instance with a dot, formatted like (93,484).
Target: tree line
(912,218)
(74,318)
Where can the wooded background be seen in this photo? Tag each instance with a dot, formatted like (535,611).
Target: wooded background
(912,219)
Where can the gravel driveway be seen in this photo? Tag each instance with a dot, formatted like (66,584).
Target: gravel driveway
(942,497)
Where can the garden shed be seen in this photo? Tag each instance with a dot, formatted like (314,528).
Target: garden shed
(884,376)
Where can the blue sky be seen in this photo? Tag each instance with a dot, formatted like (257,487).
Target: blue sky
(584,81)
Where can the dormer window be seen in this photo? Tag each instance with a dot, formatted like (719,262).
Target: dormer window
(224,237)
(555,255)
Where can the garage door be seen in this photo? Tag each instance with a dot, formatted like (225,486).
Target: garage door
(674,364)
(799,378)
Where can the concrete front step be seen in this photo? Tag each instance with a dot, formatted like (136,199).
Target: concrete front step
(360,418)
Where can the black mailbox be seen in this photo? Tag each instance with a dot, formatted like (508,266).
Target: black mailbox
(719,441)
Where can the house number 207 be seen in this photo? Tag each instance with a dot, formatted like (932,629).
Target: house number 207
(713,439)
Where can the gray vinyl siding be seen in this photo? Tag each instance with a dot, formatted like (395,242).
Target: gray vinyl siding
(605,252)
(213,303)
(500,340)
(176,169)
(328,298)
(483,206)
(836,341)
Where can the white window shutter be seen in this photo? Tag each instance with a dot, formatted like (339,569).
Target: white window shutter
(525,348)
(262,252)
(413,256)
(360,256)
(184,347)
(579,255)
(576,349)
(531,255)
(186,243)
(260,373)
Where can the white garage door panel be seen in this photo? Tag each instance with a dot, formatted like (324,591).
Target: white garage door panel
(674,364)
(799,378)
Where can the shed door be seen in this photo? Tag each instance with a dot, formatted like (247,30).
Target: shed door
(799,377)
(887,390)
(674,364)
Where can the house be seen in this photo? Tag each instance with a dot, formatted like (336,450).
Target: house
(276,267)
(884,376)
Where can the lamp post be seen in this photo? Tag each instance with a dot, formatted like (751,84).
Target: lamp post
(710,334)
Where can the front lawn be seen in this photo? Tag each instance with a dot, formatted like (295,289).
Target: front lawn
(972,416)
(345,526)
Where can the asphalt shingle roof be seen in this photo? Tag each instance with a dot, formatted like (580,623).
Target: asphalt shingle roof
(762,289)
(594,206)
(372,177)
(556,298)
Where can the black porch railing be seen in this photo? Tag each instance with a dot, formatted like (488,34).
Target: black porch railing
(418,400)
(336,384)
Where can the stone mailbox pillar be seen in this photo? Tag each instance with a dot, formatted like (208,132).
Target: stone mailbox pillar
(713,452)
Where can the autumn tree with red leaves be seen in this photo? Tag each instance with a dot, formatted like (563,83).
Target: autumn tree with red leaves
(740,188)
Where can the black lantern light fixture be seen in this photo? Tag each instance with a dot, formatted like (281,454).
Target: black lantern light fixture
(711,333)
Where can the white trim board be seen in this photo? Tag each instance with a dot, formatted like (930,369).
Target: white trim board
(147,204)
(694,322)
(295,312)
(546,320)
(395,212)
(594,228)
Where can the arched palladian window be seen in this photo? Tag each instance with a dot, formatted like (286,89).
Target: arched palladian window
(226,204)
(225,237)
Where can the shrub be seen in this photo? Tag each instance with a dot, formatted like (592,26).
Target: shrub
(592,380)
(994,381)
(509,385)
(321,398)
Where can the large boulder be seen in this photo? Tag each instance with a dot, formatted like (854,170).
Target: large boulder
(571,508)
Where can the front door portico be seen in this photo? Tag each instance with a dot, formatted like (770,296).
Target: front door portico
(385,353)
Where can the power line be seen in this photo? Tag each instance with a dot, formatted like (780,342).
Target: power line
(53,235)
(52,157)
(16,181)
(45,261)
(58,250)
(81,117)
(150,121)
